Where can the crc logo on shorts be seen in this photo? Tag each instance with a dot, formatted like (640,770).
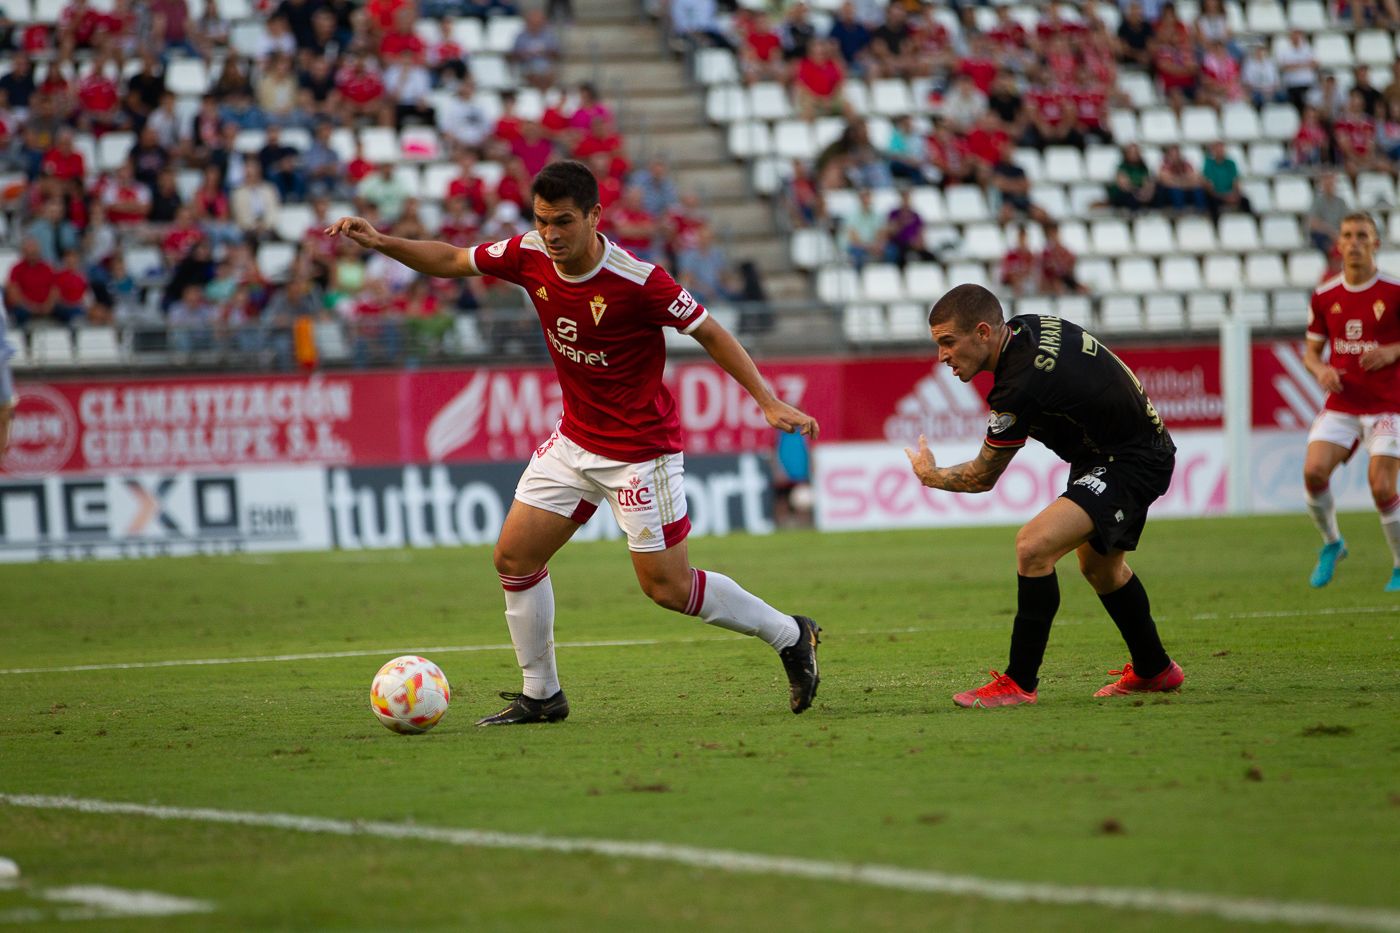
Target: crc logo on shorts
(634,497)
(43,432)
(1000,421)
(1092,481)
(497,249)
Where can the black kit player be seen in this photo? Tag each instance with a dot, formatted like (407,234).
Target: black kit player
(1058,384)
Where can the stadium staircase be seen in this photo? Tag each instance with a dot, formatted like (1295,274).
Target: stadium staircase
(661,112)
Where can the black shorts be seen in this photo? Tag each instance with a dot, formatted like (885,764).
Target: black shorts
(1117,493)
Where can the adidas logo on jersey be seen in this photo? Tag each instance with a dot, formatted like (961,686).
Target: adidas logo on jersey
(646,535)
(541,293)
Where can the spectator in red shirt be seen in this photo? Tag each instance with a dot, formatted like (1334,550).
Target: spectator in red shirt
(609,185)
(817,81)
(78,23)
(29,293)
(980,63)
(761,52)
(126,199)
(1054,119)
(948,153)
(1057,264)
(1018,266)
(99,103)
(590,109)
(361,89)
(63,161)
(986,141)
(533,147)
(1220,77)
(1354,133)
(633,227)
(1178,72)
(459,224)
(1311,144)
(603,138)
(401,39)
(468,186)
(181,236)
(71,294)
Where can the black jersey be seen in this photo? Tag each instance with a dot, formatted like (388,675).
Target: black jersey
(1056,383)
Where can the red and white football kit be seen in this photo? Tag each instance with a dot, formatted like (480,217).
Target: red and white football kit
(1353,319)
(620,436)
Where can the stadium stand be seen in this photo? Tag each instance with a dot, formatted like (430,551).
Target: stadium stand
(212,155)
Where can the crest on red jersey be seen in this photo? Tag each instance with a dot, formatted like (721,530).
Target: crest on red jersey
(597,306)
(1379,308)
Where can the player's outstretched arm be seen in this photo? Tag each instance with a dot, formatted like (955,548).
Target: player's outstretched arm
(976,475)
(735,360)
(442,260)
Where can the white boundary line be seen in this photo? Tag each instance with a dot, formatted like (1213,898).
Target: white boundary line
(1182,903)
(619,643)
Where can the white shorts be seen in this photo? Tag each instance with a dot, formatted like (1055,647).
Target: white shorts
(647,499)
(1380,433)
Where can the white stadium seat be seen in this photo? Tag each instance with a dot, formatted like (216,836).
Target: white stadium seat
(864,323)
(1152,234)
(907,322)
(1374,47)
(924,281)
(1374,189)
(1222,272)
(1307,15)
(1123,125)
(890,97)
(1280,232)
(1200,125)
(963,273)
(1265,16)
(1181,274)
(1293,194)
(1138,275)
(1205,310)
(275,259)
(1163,313)
(51,346)
(1306,268)
(1238,233)
(792,139)
(882,282)
(715,66)
(812,248)
(1279,122)
(1096,274)
(1239,123)
(725,103)
(98,346)
(1064,165)
(1120,314)
(1264,271)
(768,100)
(1111,237)
(966,204)
(750,138)
(837,285)
(1333,50)
(1101,163)
(1251,307)
(983,242)
(1159,127)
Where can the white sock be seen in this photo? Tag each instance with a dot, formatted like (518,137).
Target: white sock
(1390,524)
(1323,511)
(530,617)
(718,600)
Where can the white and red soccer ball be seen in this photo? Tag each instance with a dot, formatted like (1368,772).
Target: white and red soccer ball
(409,695)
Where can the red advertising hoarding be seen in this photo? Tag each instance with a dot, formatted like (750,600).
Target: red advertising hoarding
(476,415)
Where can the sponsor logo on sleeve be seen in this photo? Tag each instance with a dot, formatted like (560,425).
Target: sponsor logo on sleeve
(498,249)
(997,422)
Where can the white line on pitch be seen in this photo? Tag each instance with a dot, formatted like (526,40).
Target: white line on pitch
(383,652)
(1184,903)
(619,643)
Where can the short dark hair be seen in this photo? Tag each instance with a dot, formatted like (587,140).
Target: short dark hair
(566,179)
(965,307)
(1363,217)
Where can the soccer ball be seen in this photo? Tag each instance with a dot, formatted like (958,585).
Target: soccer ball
(409,695)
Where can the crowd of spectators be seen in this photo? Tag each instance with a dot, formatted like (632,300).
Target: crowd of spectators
(1052,83)
(320,67)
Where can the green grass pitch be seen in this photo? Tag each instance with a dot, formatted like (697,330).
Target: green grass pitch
(1275,773)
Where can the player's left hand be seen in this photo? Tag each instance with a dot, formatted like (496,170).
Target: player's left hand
(1380,357)
(921,460)
(784,417)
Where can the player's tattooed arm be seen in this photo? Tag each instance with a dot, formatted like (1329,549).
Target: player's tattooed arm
(976,475)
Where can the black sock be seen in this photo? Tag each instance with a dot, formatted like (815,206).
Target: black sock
(1132,613)
(1037,600)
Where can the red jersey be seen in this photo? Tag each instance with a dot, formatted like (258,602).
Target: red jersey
(1051,107)
(471,189)
(1354,319)
(604,330)
(65,165)
(97,93)
(1355,134)
(823,80)
(34,280)
(71,287)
